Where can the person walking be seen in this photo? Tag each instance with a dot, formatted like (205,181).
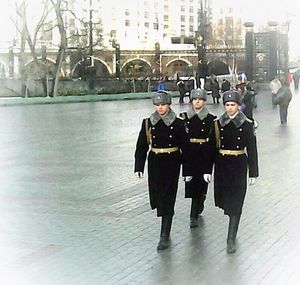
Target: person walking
(296,77)
(283,98)
(235,156)
(198,123)
(164,133)
(225,85)
(275,85)
(181,88)
(215,89)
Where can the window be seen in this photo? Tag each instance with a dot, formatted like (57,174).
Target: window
(127,23)
(166,18)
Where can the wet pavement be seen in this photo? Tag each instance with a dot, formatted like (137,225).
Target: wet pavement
(72,212)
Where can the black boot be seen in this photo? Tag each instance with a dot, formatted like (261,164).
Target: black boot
(232,231)
(201,203)
(164,241)
(194,213)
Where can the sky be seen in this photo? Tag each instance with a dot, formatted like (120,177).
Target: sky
(257,11)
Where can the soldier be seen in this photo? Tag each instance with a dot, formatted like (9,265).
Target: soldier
(236,154)
(165,133)
(198,123)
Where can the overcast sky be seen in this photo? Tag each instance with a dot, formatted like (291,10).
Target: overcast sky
(258,11)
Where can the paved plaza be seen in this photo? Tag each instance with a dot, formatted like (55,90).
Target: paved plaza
(72,212)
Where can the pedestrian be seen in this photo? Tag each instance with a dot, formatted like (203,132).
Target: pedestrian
(275,85)
(215,89)
(248,101)
(161,84)
(198,123)
(164,133)
(296,77)
(201,74)
(181,88)
(236,154)
(283,98)
(225,85)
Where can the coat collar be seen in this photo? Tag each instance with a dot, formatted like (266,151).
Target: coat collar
(238,120)
(202,114)
(168,119)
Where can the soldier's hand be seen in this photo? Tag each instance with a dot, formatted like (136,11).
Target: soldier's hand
(139,174)
(252,181)
(207,178)
(187,178)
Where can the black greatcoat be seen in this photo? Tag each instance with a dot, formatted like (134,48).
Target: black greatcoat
(199,126)
(230,173)
(163,168)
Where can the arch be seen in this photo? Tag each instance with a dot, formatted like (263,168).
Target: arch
(99,69)
(136,58)
(179,66)
(136,68)
(48,64)
(179,59)
(218,67)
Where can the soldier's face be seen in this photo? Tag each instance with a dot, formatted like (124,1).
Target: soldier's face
(162,109)
(198,103)
(231,108)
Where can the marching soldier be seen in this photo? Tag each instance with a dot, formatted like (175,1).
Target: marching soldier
(236,154)
(198,123)
(164,133)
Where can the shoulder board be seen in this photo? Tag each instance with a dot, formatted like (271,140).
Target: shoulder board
(248,120)
(180,118)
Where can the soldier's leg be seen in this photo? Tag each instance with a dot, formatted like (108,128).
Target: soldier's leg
(232,232)
(201,203)
(194,212)
(166,224)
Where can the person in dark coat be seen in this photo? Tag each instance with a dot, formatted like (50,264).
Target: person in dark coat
(181,88)
(202,72)
(165,136)
(283,98)
(236,155)
(248,101)
(296,77)
(198,123)
(225,85)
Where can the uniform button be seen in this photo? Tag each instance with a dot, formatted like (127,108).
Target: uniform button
(202,130)
(170,144)
(222,129)
(222,145)
(171,128)
(203,123)
(237,146)
(222,137)
(239,138)
(188,122)
(155,144)
(153,137)
(240,130)
(170,136)
(153,128)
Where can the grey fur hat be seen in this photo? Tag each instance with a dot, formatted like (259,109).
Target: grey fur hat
(198,94)
(231,96)
(162,97)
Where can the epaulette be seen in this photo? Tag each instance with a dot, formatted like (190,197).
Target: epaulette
(249,121)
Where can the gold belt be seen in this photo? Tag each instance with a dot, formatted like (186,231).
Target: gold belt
(198,140)
(164,150)
(231,152)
